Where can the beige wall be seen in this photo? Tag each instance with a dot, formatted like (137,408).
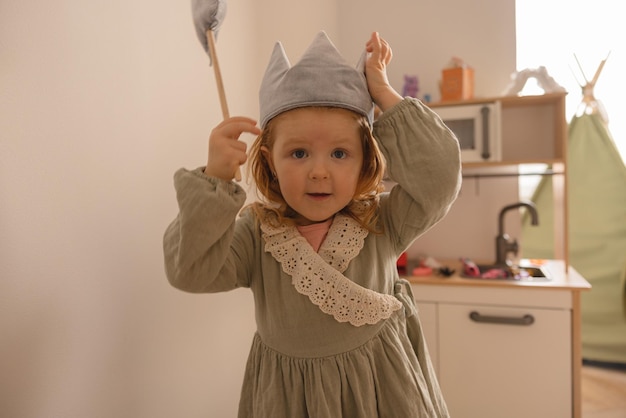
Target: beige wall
(100,102)
(426,35)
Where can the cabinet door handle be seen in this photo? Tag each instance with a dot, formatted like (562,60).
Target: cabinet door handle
(507,320)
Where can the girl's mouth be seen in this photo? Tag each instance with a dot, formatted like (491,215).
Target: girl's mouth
(318,195)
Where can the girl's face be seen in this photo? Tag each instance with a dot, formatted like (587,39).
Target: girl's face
(317,157)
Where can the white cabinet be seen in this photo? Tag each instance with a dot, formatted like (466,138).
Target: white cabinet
(517,368)
(501,351)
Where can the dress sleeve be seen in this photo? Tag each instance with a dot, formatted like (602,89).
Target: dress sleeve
(423,159)
(199,246)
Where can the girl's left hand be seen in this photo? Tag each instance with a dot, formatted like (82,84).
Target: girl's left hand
(380,55)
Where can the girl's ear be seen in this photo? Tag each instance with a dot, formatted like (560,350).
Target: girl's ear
(267,154)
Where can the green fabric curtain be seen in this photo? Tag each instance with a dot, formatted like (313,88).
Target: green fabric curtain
(597,234)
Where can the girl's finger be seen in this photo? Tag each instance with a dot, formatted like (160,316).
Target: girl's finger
(234,127)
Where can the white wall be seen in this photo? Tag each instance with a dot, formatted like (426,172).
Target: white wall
(100,103)
(425,35)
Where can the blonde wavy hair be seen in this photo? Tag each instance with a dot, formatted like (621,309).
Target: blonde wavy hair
(363,208)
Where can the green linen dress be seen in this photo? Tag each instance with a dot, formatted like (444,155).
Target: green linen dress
(338,334)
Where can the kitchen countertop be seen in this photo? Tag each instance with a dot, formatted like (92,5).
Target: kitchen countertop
(560,277)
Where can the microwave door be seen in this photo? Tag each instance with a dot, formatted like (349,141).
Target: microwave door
(465,131)
(476,127)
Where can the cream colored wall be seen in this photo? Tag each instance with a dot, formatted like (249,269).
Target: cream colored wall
(426,35)
(100,103)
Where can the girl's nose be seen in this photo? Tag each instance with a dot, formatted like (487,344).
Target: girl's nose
(319,171)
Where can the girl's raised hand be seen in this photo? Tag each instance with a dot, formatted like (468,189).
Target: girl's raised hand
(226,151)
(379,56)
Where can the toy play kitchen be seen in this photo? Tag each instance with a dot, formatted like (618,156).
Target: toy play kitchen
(504,327)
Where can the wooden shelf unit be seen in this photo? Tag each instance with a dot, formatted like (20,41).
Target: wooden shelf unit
(533,131)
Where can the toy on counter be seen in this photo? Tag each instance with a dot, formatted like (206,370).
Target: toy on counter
(422,271)
(427,266)
(446,271)
(457,81)
(470,269)
(544,81)
(411,86)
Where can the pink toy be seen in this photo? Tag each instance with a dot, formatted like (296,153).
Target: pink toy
(411,86)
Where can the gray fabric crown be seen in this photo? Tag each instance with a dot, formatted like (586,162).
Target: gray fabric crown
(321,78)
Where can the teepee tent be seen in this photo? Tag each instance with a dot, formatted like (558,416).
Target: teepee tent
(596,178)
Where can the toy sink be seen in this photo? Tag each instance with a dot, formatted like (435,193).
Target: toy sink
(527,273)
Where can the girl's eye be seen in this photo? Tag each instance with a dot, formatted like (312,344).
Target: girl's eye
(340,154)
(299,153)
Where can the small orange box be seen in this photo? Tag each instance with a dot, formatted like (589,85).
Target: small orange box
(457,83)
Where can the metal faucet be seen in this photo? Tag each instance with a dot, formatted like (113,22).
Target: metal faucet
(504,244)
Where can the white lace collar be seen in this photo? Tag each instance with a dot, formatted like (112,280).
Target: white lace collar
(319,275)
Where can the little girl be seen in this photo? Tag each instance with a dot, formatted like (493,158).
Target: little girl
(338,334)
